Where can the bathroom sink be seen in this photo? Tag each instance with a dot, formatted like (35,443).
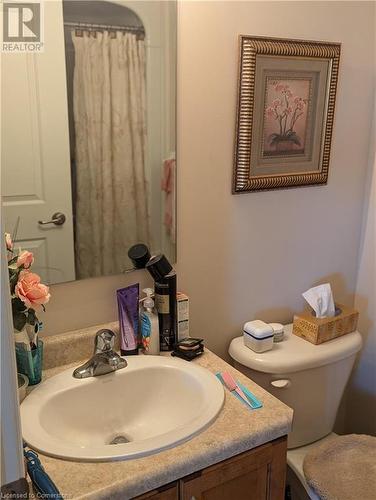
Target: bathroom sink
(156,402)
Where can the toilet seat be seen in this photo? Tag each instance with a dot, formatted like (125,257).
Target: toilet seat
(295,459)
(343,467)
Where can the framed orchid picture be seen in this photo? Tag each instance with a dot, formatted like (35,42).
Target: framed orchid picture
(286,100)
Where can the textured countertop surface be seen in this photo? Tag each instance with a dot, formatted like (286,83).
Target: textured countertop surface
(236,429)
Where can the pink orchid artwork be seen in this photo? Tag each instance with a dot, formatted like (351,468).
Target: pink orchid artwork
(285,117)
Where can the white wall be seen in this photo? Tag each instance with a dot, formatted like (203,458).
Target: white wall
(252,255)
(361,395)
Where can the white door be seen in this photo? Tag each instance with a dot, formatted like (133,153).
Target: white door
(36,178)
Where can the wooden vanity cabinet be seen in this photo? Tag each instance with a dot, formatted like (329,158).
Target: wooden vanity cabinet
(258,474)
(168,492)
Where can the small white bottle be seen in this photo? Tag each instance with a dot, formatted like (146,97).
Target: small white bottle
(149,325)
(278,331)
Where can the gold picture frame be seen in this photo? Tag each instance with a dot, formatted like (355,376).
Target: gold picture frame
(285,112)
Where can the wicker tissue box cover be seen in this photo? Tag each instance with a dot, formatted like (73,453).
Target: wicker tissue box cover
(319,330)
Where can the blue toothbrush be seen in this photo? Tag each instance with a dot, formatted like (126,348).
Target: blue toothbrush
(42,482)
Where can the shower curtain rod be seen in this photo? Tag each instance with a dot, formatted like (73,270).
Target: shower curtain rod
(90,26)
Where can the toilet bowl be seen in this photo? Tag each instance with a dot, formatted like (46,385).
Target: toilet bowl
(308,378)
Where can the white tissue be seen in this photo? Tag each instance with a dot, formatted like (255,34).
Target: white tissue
(320,298)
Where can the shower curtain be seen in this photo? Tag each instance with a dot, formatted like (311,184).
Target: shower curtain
(110,131)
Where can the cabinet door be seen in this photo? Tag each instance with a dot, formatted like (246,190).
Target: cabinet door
(254,475)
(169,492)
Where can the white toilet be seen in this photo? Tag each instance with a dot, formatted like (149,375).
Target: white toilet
(310,379)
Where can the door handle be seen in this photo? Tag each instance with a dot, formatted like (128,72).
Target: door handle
(58,219)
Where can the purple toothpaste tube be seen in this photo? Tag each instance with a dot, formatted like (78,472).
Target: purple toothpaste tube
(127,299)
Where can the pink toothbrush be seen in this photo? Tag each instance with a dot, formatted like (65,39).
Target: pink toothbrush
(231,385)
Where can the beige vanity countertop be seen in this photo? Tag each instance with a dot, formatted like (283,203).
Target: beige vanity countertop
(236,429)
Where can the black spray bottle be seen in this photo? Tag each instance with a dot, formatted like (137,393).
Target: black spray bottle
(165,293)
(165,300)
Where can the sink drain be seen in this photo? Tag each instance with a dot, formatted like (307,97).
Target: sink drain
(119,440)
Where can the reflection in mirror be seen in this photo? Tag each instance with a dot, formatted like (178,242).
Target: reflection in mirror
(95,115)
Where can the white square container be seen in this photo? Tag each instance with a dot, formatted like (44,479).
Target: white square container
(258,336)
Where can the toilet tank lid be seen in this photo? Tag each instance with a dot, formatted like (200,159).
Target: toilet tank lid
(294,353)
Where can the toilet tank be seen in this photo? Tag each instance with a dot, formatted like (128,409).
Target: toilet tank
(309,378)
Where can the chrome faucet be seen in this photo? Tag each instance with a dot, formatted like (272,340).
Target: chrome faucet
(105,359)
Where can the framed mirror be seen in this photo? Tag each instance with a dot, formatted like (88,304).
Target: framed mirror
(89,137)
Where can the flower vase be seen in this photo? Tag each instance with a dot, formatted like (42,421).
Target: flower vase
(286,145)
(29,358)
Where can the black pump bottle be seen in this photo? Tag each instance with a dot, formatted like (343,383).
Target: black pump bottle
(165,286)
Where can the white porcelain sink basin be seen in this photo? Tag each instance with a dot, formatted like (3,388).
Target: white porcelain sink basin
(154,403)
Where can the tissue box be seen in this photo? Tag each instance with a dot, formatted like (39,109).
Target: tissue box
(319,330)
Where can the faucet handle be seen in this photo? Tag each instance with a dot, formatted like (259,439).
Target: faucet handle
(104,341)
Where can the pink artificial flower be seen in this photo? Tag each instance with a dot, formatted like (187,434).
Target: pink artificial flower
(288,93)
(299,102)
(31,291)
(276,103)
(281,88)
(270,111)
(25,259)
(9,242)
